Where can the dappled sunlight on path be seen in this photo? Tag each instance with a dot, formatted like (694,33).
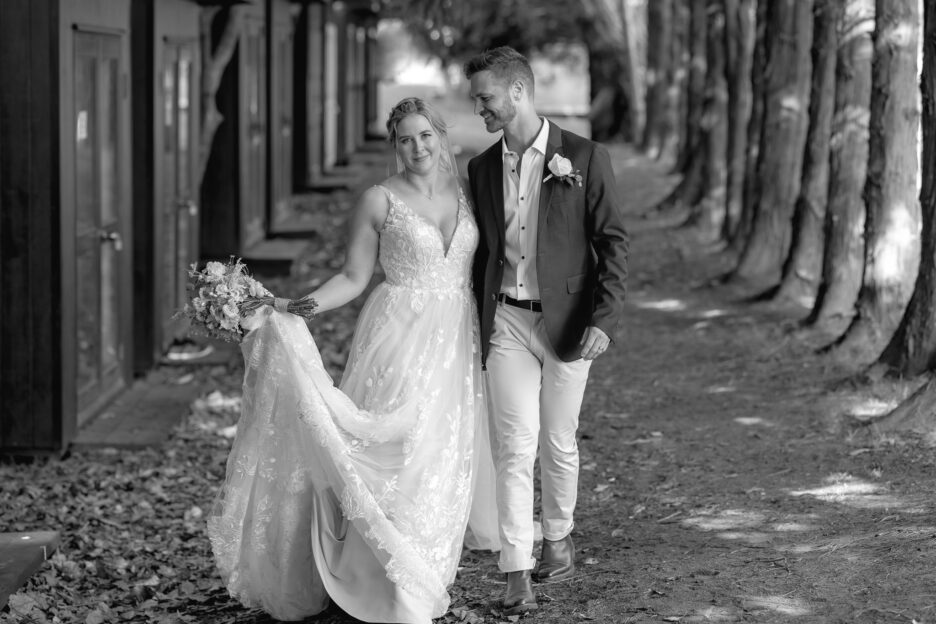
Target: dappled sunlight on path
(723,477)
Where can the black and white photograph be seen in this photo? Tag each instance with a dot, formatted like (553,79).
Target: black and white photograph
(467,311)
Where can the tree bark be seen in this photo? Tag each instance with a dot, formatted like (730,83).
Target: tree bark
(785,123)
(916,414)
(690,161)
(617,111)
(682,68)
(659,69)
(892,239)
(802,271)
(215,59)
(708,214)
(845,219)
(755,130)
(669,147)
(740,18)
(912,349)
(695,85)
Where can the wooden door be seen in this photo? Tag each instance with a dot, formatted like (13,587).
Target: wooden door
(179,189)
(100,174)
(254,191)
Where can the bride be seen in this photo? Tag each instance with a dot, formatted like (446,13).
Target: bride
(361,494)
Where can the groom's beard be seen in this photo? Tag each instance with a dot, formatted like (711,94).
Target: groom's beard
(500,118)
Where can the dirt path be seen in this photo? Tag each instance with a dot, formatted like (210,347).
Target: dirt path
(721,480)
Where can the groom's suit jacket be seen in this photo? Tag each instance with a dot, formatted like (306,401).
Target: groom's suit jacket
(581,244)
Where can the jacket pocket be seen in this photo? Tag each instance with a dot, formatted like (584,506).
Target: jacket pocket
(576,283)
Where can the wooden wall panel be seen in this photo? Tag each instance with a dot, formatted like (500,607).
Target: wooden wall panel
(29,307)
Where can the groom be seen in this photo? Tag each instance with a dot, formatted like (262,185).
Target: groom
(549,276)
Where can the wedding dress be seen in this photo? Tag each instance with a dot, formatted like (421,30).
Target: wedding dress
(361,493)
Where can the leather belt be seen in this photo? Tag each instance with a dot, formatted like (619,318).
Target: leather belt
(526,304)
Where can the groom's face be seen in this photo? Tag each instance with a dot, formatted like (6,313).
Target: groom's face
(492,100)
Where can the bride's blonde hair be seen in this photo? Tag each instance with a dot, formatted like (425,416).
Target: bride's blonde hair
(414,106)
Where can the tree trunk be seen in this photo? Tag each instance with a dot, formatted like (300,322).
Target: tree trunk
(916,414)
(892,239)
(740,16)
(616,109)
(803,269)
(690,161)
(786,120)
(912,349)
(659,69)
(755,129)
(682,68)
(708,214)
(845,220)
(669,147)
(215,59)
(695,86)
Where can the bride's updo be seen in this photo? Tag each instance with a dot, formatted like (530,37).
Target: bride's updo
(414,106)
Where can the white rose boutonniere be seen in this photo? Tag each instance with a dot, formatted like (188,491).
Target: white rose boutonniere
(561,168)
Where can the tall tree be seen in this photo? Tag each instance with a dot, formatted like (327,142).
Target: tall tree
(802,271)
(751,183)
(682,67)
(912,349)
(618,100)
(740,18)
(845,219)
(786,120)
(708,214)
(892,239)
(657,132)
(690,161)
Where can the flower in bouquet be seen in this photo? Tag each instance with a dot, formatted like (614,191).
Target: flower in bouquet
(217,292)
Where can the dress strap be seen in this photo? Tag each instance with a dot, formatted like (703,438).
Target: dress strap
(392,201)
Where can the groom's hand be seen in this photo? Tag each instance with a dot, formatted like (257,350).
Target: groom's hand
(594,342)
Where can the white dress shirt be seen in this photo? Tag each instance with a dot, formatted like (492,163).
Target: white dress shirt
(521,209)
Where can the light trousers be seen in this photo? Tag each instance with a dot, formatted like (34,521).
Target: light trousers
(535,399)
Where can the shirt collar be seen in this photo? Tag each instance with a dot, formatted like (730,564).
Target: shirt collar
(539,143)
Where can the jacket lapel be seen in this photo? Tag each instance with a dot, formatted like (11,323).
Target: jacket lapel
(553,146)
(494,171)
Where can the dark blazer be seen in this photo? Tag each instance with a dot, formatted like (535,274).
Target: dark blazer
(581,244)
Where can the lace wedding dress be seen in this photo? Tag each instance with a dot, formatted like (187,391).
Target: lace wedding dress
(361,493)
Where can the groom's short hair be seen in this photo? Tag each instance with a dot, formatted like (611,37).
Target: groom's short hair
(505,63)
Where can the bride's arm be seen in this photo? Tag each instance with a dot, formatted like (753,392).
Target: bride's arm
(369,217)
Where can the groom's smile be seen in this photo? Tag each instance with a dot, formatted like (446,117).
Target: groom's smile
(491,101)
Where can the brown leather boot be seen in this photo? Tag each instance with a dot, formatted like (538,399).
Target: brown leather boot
(520,598)
(558,560)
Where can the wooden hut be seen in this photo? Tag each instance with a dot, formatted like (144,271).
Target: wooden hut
(106,196)
(65,189)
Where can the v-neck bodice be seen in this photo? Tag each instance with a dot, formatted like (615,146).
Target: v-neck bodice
(414,253)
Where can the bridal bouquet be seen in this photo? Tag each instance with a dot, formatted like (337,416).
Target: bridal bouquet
(217,292)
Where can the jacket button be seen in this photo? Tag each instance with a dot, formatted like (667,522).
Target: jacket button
(501,262)
(493,297)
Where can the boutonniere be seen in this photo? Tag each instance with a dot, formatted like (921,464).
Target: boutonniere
(561,168)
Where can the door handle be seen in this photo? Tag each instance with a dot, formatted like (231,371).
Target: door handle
(189,205)
(112,237)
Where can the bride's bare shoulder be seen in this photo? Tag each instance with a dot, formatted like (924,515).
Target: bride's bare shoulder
(373,206)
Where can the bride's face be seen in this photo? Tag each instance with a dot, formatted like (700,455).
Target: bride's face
(417,144)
